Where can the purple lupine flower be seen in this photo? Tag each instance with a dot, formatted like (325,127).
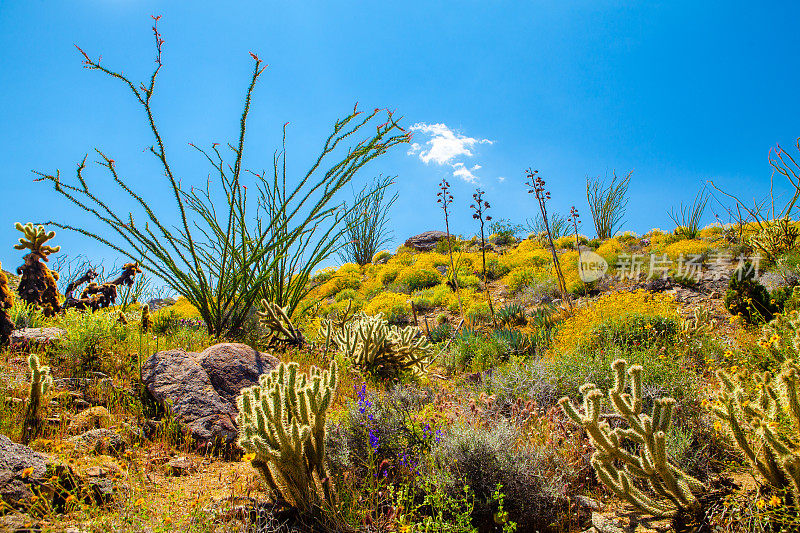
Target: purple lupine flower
(373,440)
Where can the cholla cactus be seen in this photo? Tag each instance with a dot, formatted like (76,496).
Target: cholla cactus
(782,333)
(280,327)
(282,421)
(374,345)
(615,465)
(6,303)
(38,284)
(777,237)
(35,239)
(147,319)
(755,422)
(41,383)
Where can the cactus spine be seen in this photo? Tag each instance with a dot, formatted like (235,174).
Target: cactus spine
(754,422)
(6,303)
(374,345)
(648,431)
(281,329)
(282,421)
(41,383)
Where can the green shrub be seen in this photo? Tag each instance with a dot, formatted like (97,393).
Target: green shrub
(512,315)
(475,352)
(494,269)
(89,339)
(632,331)
(748,298)
(535,478)
(166,322)
(346,294)
(440,332)
(455,243)
(479,312)
(417,279)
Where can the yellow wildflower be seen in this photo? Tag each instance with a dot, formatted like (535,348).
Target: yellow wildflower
(760,503)
(248,457)
(774,501)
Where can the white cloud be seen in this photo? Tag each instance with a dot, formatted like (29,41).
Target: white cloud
(447,147)
(501,179)
(460,171)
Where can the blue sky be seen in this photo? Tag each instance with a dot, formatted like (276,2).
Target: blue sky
(679,92)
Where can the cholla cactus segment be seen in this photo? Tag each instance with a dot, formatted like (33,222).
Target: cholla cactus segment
(756,421)
(41,383)
(782,334)
(376,346)
(777,237)
(35,239)
(282,421)
(615,465)
(281,330)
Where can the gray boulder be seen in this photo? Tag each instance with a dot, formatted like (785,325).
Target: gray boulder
(42,336)
(20,469)
(425,242)
(201,388)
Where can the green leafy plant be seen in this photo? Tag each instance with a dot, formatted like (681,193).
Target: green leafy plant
(512,315)
(282,423)
(747,297)
(607,203)
(615,464)
(558,224)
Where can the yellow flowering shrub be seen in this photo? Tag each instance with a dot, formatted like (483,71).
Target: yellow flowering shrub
(183,309)
(395,307)
(575,330)
(418,278)
(687,247)
(529,253)
(347,277)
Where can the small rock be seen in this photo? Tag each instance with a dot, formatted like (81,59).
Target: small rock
(99,441)
(604,524)
(81,404)
(588,503)
(41,336)
(715,295)
(180,466)
(19,523)
(20,467)
(425,242)
(96,417)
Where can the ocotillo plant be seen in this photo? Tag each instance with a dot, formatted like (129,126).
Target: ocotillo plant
(754,421)
(41,383)
(37,286)
(224,261)
(282,422)
(444,199)
(6,303)
(536,185)
(479,209)
(615,464)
